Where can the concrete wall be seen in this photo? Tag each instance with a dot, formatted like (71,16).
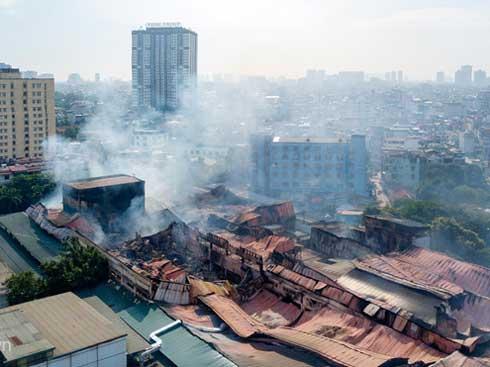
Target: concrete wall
(109,354)
(334,246)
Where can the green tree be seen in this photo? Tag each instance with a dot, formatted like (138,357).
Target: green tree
(456,183)
(423,211)
(71,132)
(24,287)
(77,267)
(463,241)
(24,190)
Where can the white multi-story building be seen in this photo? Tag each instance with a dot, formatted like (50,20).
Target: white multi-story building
(164,66)
(149,139)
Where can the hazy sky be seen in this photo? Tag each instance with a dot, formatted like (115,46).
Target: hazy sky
(260,37)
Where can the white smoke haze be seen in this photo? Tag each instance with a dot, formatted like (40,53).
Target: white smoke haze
(106,147)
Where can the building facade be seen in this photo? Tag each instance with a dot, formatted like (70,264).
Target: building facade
(480,78)
(464,76)
(60,331)
(106,199)
(164,67)
(402,168)
(27,114)
(294,167)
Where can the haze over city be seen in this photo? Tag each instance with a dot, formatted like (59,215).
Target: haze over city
(271,38)
(244,183)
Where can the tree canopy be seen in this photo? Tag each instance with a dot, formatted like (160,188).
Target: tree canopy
(77,267)
(24,190)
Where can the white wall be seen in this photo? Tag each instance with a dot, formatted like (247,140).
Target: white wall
(110,354)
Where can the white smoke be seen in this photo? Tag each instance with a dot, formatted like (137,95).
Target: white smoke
(106,146)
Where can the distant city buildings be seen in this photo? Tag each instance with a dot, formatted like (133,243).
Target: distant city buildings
(400,76)
(315,76)
(480,77)
(74,78)
(464,76)
(440,77)
(164,67)
(97,77)
(27,115)
(467,142)
(394,76)
(401,168)
(299,167)
(483,101)
(351,77)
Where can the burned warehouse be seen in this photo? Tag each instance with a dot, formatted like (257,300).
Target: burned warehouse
(246,269)
(105,198)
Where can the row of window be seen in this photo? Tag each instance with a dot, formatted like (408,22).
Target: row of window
(12,109)
(25,101)
(15,156)
(25,85)
(308,157)
(307,184)
(339,174)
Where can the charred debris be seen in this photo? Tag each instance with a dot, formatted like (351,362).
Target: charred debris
(221,249)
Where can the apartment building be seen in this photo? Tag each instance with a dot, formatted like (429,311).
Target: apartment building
(297,166)
(27,115)
(402,168)
(164,66)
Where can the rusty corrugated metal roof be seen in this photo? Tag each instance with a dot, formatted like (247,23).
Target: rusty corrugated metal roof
(410,275)
(233,315)
(265,215)
(475,311)
(200,287)
(293,277)
(263,247)
(352,328)
(391,296)
(471,277)
(267,245)
(341,353)
(332,350)
(270,310)
(173,293)
(457,359)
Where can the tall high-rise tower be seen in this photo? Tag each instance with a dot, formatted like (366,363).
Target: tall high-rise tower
(164,66)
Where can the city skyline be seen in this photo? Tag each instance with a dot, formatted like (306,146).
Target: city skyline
(343,35)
